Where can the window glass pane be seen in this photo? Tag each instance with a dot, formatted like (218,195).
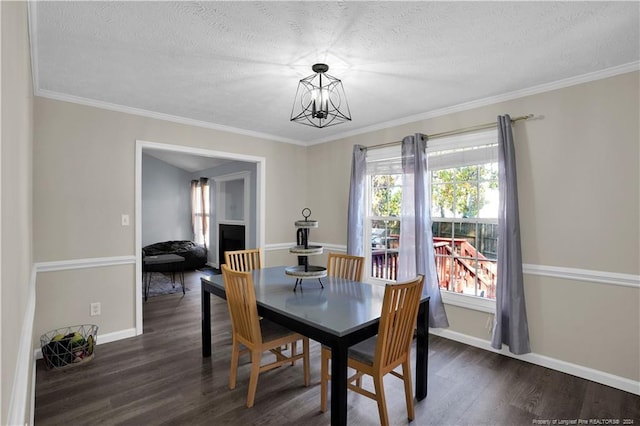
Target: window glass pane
(442,200)
(464,210)
(466,194)
(385,234)
(385,238)
(487,240)
(488,171)
(487,270)
(488,200)
(386,195)
(464,238)
(380,205)
(441,229)
(441,176)
(467,174)
(438,202)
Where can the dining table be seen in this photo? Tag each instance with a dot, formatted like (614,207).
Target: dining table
(335,312)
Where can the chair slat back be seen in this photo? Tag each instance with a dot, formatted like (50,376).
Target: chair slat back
(345,266)
(244,260)
(397,322)
(241,300)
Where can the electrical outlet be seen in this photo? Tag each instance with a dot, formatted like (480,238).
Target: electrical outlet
(95,309)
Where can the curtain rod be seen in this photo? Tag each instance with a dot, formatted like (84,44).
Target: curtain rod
(455,132)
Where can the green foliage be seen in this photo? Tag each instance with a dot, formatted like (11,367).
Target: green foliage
(461,191)
(457,192)
(387,195)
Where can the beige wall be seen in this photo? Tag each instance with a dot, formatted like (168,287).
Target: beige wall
(579,187)
(84,179)
(16,123)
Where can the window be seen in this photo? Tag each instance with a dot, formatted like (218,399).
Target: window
(200,207)
(464,213)
(463,177)
(384,195)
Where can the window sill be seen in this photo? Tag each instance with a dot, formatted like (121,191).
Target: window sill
(469,302)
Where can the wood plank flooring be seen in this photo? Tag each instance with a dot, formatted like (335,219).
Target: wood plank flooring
(160,378)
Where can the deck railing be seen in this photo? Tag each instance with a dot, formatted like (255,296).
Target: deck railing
(460,267)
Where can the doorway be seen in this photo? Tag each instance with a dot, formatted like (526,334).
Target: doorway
(257,234)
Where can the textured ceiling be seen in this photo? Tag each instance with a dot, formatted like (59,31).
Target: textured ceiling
(236,65)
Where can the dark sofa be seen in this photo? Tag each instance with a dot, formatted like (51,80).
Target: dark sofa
(195,256)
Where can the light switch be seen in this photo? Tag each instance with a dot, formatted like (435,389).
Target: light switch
(125,220)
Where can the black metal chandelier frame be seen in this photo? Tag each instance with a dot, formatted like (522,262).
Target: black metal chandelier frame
(320,100)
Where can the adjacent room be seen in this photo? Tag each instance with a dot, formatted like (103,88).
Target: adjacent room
(476,163)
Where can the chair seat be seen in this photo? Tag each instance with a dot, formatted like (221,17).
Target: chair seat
(272,331)
(364,351)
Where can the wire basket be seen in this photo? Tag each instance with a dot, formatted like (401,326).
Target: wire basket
(70,346)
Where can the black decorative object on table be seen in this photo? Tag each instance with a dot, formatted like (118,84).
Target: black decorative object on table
(304,250)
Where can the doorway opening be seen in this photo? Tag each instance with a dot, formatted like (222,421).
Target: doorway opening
(254,233)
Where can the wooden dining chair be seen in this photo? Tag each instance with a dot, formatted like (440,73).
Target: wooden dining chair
(345,266)
(244,260)
(257,335)
(382,354)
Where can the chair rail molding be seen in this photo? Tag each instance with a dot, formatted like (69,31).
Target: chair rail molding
(565,273)
(95,262)
(576,274)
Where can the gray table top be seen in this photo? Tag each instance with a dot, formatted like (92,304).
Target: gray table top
(340,308)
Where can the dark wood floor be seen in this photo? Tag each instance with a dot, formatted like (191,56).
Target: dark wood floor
(161,378)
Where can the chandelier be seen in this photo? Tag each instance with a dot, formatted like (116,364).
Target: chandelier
(320,100)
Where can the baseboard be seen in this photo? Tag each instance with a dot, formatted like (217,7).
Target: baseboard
(597,376)
(102,338)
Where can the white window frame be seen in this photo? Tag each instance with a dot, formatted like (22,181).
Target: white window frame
(382,155)
(393,153)
(454,142)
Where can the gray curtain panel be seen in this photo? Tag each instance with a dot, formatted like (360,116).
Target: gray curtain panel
(355,219)
(510,323)
(417,255)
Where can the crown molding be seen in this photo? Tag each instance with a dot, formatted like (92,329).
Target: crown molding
(542,88)
(534,90)
(158,115)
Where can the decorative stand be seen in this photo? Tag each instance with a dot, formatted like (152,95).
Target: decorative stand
(303,250)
